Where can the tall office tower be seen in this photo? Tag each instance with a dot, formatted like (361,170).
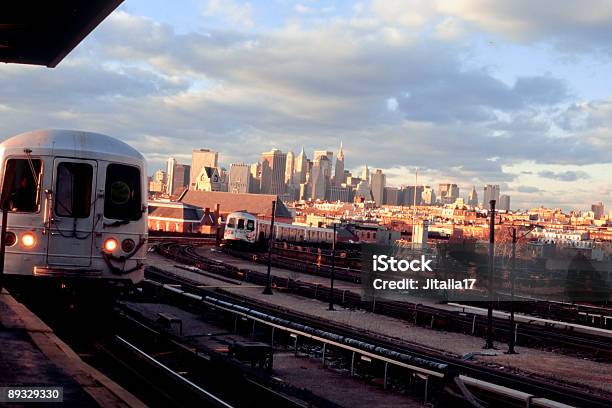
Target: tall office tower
(300,168)
(504,203)
(428,196)
(320,178)
(365,175)
(290,168)
(491,192)
(448,193)
(378,187)
(407,195)
(363,191)
(171,164)
(255,178)
(598,210)
(326,164)
(201,158)
(473,197)
(273,165)
(339,177)
(391,196)
(180,179)
(239,178)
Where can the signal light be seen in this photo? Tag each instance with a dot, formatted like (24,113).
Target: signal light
(128,245)
(28,240)
(110,245)
(10,238)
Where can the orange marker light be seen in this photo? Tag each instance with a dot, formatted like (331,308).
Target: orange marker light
(110,245)
(28,240)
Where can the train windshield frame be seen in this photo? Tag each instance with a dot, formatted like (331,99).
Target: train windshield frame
(73,190)
(21,185)
(123,194)
(250,225)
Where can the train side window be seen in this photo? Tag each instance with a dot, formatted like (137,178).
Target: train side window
(73,190)
(21,186)
(241,223)
(122,197)
(231,223)
(250,225)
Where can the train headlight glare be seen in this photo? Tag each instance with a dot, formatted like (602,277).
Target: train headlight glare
(110,245)
(128,245)
(10,238)
(28,240)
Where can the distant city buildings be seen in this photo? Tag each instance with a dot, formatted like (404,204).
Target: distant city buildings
(273,166)
(448,193)
(201,158)
(504,203)
(240,178)
(598,210)
(378,183)
(473,198)
(491,192)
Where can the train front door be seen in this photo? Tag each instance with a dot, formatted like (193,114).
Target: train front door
(72,212)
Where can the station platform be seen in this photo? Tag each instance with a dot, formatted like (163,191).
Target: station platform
(31,355)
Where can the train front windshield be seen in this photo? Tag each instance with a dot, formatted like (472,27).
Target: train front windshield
(123,198)
(21,186)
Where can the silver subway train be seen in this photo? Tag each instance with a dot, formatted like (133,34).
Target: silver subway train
(76,205)
(242,226)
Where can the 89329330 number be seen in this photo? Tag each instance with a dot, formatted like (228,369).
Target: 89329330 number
(31,394)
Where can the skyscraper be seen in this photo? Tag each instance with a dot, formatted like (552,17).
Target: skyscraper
(598,210)
(504,203)
(365,175)
(171,164)
(319,180)
(491,192)
(378,187)
(240,178)
(273,166)
(473,197)
(448,193)
(339,167)
(289,168)
(180,179)
(300,168)
(428,196)
(201,158)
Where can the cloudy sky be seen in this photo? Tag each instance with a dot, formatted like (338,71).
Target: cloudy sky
(517,93)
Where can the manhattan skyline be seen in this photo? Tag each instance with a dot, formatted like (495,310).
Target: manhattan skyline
(470,92)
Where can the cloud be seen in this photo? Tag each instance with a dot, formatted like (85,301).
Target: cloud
(234,13)
(528,189)
(570,25)
(398,97)
(564,175)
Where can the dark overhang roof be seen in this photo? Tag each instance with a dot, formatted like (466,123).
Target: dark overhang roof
(44,32)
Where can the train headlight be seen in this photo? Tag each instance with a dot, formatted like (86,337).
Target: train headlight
(28,240)
(110,245)
(128,245)
(10,238)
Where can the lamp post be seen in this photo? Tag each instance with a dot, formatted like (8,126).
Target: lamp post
(268,289)
(512,277)
(333,271)
(489,343)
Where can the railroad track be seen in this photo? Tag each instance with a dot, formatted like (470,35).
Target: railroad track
(525,334)
(504,386)
(293,259)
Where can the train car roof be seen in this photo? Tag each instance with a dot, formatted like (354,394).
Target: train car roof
(71,143)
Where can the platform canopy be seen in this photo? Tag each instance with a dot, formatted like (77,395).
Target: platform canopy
(44,32)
